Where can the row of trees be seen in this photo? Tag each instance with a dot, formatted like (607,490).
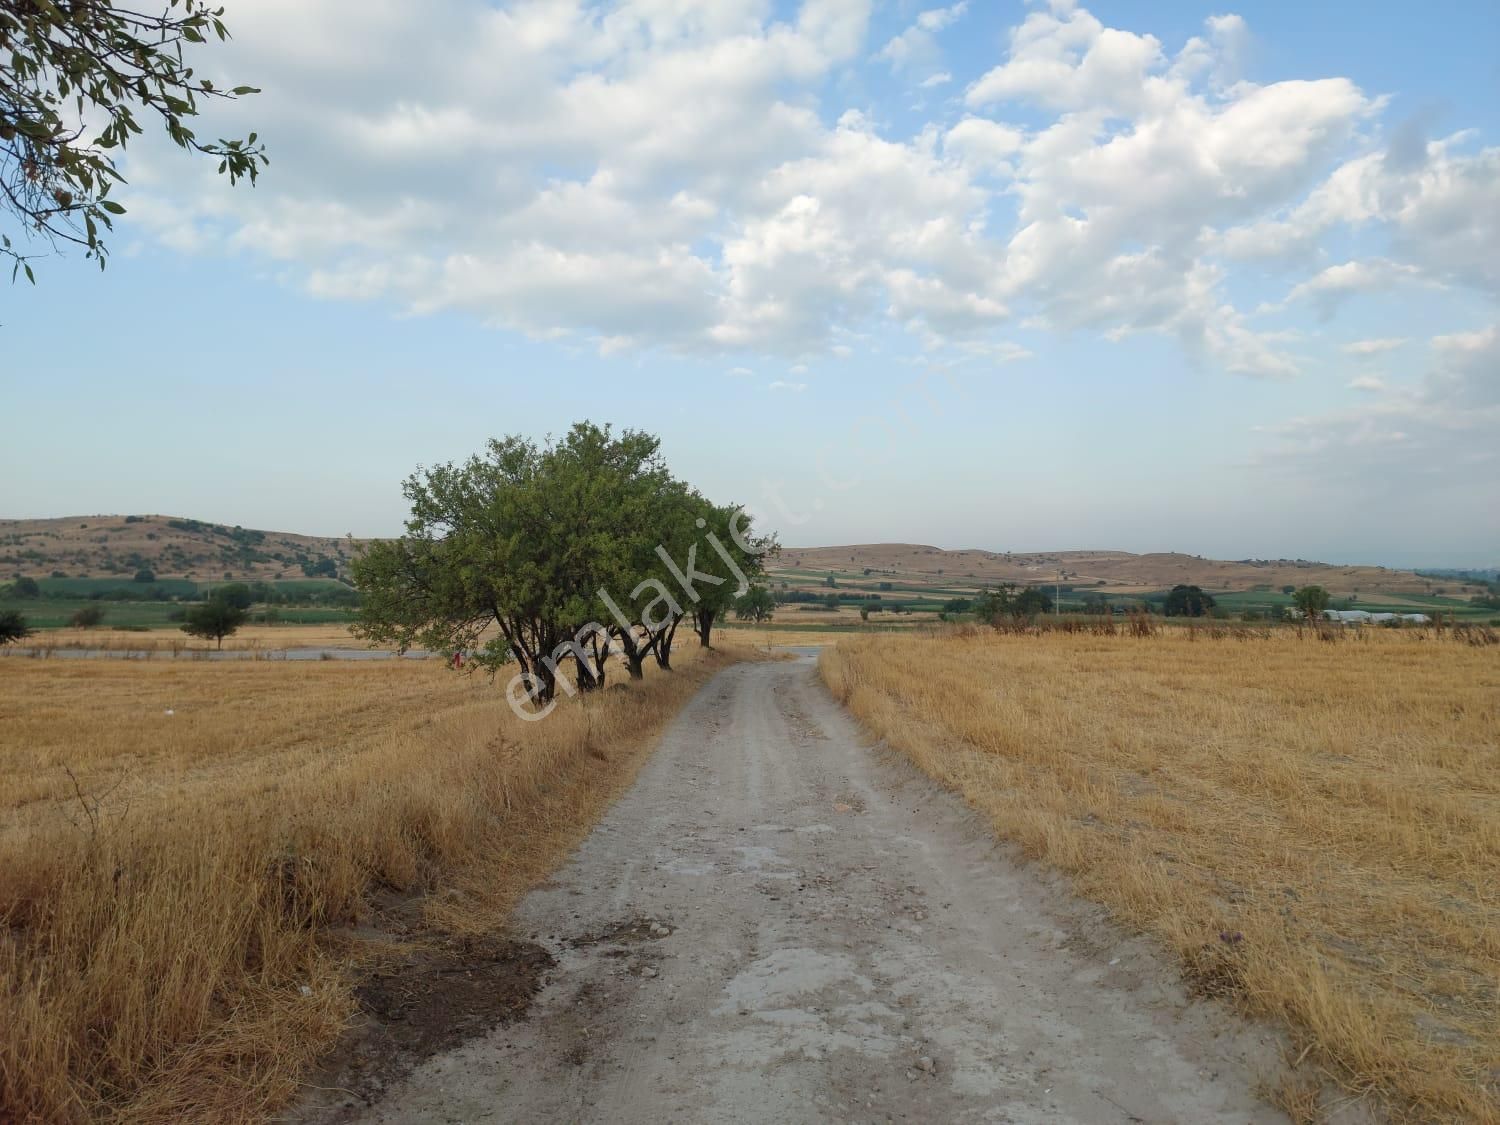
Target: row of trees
(555,555)
(1006,600)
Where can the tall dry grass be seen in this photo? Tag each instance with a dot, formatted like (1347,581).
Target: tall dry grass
(1314,828)
(162,643)
(176,891)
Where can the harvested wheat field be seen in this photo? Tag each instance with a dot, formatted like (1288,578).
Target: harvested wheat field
(1314,827)
(187,848)
(164,643)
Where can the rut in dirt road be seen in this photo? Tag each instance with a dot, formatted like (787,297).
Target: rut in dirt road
(781,924)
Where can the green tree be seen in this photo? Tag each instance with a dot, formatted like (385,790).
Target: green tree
(992,605)
(13,627)
(1312,601)
(733,535)
(1031,602)
(214,619)
(237,594)
(1289,590)
(957,605)
(756,605)
(528,541)
(76,78)
(1187,601)
(87,617)
(145,574)
(25,587)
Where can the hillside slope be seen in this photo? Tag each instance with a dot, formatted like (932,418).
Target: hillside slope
(1117,570)
(171,547)
(174,547)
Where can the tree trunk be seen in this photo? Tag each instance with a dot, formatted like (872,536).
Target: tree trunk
(664,645)
(635,653)
(705,625)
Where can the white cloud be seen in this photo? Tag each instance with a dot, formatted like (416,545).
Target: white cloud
(1437,438)
(664,174)
(1330,288)
(783,385)
(1365,348)
(916,48)
(740,372)
(1367,383)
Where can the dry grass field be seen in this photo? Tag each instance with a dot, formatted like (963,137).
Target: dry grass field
(174,642)
(1313,827)
(186,848)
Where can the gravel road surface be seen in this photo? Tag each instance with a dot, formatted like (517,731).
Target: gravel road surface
(781,923)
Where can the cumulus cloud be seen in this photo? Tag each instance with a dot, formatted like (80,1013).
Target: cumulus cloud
(1366,348)
(661,174)
(1437,435)
(1335,285)
(916,48)
(784,385)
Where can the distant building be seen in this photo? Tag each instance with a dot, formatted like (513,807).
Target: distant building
(1365,617)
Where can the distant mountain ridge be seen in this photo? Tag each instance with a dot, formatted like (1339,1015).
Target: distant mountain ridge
(1117,570)
(180,547)
(169,546)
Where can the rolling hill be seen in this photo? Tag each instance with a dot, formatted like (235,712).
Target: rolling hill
(176,547)
(1117,571)
(171,547)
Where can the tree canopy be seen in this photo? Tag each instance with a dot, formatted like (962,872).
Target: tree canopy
(993,606)
(1312,601)
(215,619)
(543,555)
(1187,601)
(76,79)
(757,605)
(13,627)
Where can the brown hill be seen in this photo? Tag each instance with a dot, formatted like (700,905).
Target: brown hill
(172,547)
(1117,570)
(102,546)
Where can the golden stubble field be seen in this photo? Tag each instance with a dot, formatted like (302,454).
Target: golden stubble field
(178,891)
(1314,827)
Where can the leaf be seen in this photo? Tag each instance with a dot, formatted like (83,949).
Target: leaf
(112,207)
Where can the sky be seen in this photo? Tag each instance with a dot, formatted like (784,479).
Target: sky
(1015,276)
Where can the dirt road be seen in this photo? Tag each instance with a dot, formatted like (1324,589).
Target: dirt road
(781,924)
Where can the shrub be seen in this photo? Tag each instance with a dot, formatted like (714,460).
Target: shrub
(88,617)
(13,628)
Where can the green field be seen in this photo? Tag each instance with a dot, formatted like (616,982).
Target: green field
(182,589)
(152,605)
(55,613)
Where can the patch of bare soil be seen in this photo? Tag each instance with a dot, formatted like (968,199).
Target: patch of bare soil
(435,995)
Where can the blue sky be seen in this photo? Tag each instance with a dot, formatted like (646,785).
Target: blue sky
(1152,276)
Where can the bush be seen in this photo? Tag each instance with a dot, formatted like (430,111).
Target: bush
(13,627)
(88,617)
(145,574)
